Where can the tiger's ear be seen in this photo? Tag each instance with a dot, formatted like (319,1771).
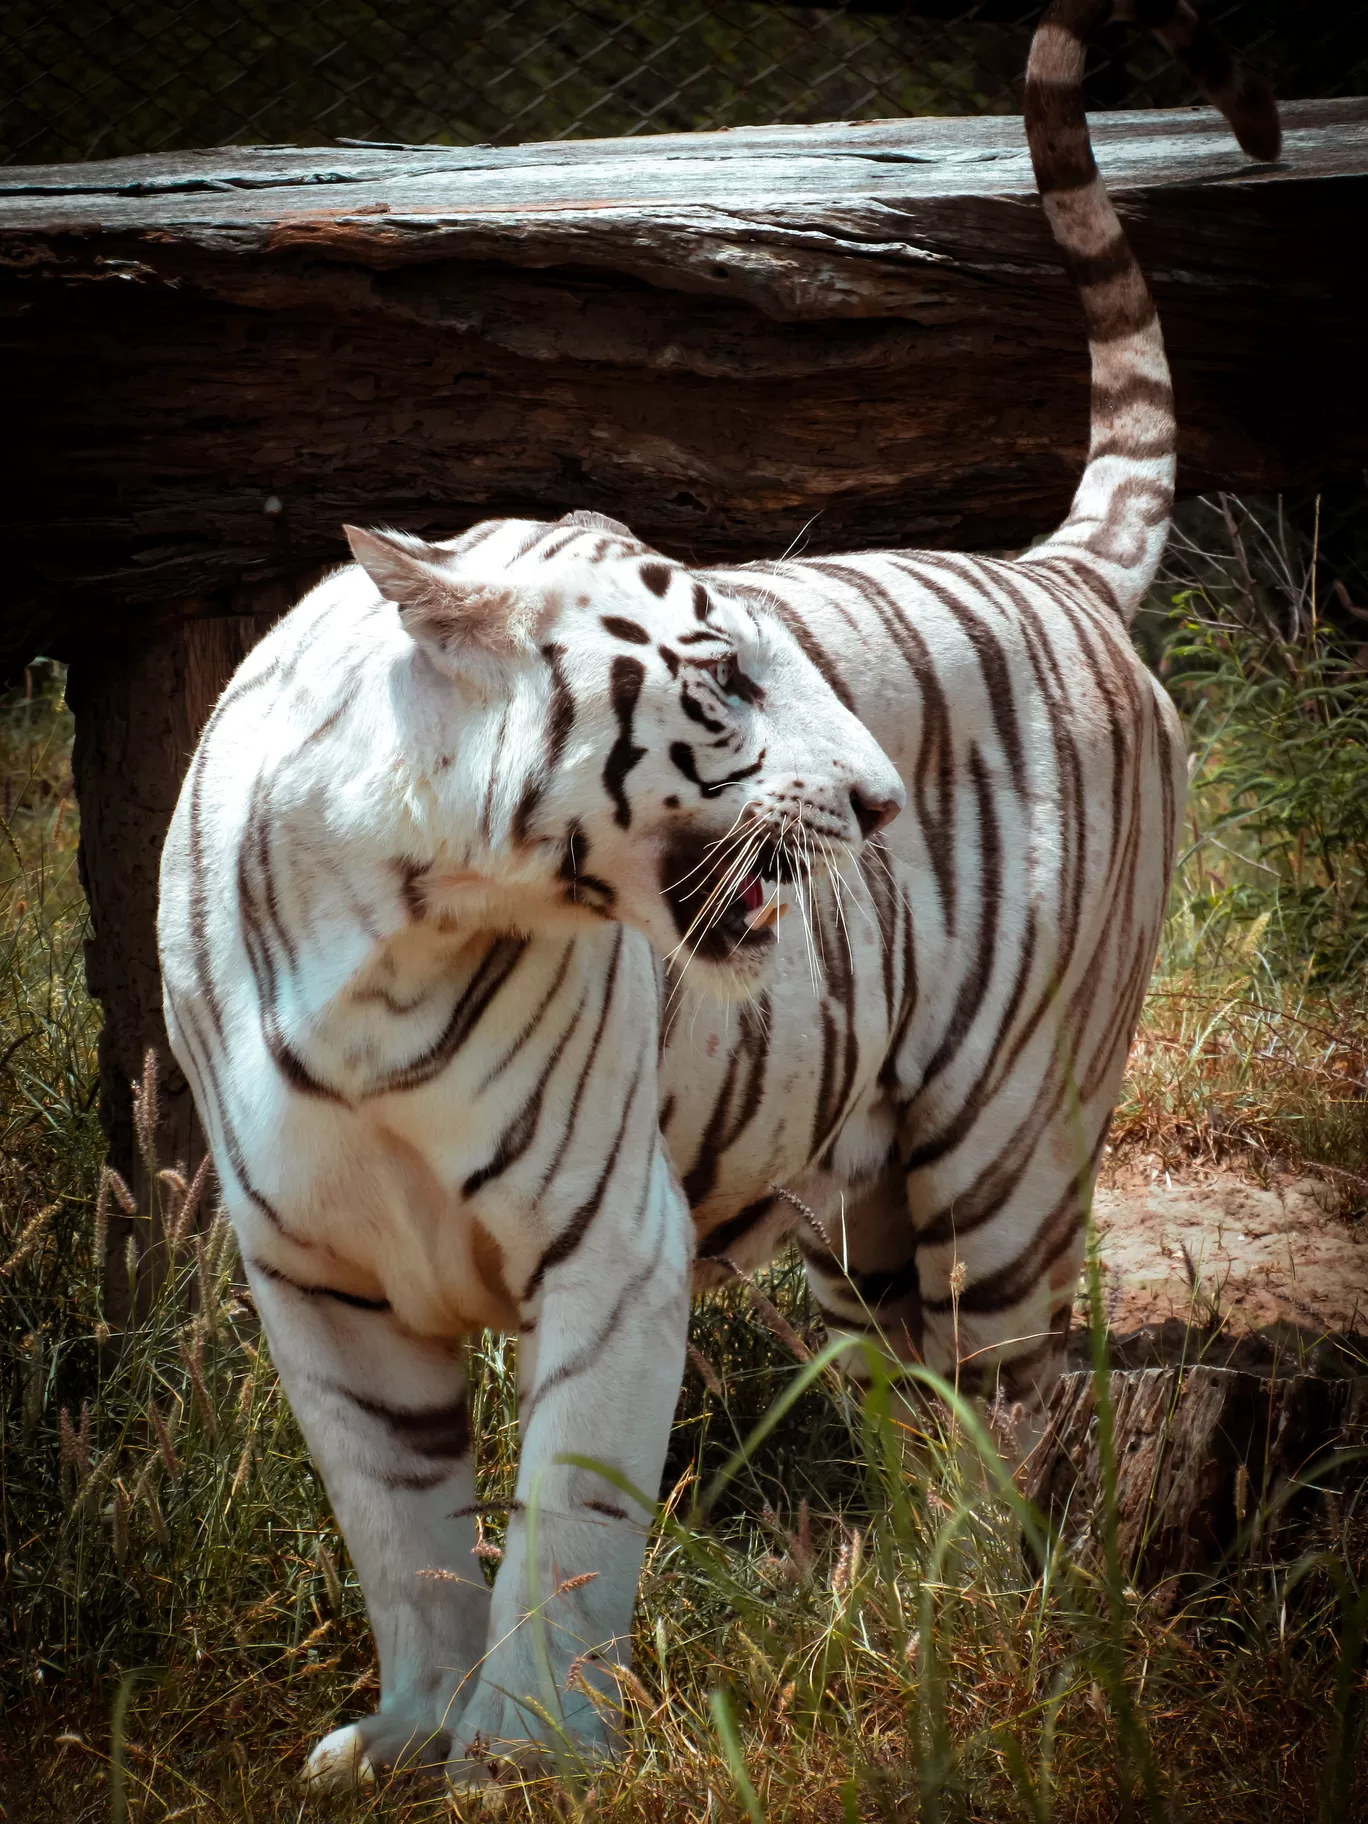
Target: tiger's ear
(454,615)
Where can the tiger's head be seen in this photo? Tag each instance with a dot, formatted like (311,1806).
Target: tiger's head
(629,738)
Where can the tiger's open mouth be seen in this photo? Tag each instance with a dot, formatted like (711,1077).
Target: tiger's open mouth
(719,906)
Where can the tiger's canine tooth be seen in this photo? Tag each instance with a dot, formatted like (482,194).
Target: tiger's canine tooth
(769,914)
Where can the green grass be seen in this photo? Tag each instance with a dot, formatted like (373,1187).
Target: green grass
(1254,1040)
(829,1636)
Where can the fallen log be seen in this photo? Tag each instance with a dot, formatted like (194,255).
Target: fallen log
(855,334)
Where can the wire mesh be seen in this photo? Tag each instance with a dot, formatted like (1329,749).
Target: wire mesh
(101,78)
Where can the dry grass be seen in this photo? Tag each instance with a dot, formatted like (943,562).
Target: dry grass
(1252,1072)
(828,1640)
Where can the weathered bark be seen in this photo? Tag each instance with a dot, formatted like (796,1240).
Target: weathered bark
(215,358)
(1183,1435)
(139,710)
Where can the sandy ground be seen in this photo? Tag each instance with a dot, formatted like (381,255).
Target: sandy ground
(1286,1256)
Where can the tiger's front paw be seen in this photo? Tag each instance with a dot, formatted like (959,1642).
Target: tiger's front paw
(363,1752)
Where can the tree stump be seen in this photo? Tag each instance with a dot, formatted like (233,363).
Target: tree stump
(1208,1460)
(139,710)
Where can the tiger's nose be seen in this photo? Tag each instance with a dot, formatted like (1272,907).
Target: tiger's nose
(873,813)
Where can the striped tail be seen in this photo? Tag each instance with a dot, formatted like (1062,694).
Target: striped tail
(1114,535)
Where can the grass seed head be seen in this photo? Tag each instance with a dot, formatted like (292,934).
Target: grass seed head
(146,1112)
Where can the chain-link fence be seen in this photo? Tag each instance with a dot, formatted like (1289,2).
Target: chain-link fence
(100,78)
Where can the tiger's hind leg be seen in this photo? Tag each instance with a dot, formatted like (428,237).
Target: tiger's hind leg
(861,1267)
(865,1278)
(876,1282)
(1001,1230)
(384,1415)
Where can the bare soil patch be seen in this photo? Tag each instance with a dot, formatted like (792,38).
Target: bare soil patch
(1233,1268)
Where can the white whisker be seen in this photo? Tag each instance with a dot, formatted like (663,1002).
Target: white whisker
(838,900)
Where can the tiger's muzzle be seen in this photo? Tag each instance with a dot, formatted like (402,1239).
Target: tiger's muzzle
(724,892)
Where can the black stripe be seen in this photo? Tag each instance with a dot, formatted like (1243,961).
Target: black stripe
(495,770)
(1019,1277)
(682,755)
(1109,402)
(1090,586)
(694,710)
(998,1067)
(237,1163)
(295,1071)
(724,1237)
(624,687)
(908,998)
(441,1433)
(1116,261)
(476,535)
(260,914)
(622,629)
(352,1300)
(586,1069)
(198,890)
(1057,135)
(530,540)
(415,1482)
(856,1326)
(560,720)
(518,1136)
(934,769)
(823,1112)
(725,1125)
(589,891)
(873,1286)
(875,866)
(974,988)
(586,1357)
(812,650)
(497,964)
(1118,310)
(1131,445)
(557,982)
(997,676)
(567,1242)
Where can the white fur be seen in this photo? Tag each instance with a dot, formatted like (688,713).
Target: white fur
(303,967)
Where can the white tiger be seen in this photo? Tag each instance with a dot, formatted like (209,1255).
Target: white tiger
(468,935)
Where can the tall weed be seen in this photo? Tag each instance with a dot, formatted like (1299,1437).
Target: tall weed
(1274,696)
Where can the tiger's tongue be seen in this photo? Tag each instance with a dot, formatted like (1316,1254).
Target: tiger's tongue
(752,894)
